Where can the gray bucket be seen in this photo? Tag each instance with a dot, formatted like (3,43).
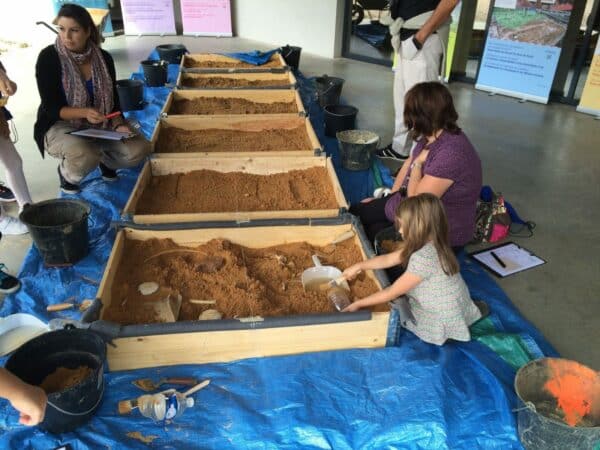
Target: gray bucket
(357,148)
(542,422)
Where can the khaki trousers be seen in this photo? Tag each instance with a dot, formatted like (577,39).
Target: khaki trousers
(79,155)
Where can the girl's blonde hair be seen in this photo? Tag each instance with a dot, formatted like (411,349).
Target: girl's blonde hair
(423,219)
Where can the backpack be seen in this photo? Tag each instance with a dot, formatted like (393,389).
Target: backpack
(492,220)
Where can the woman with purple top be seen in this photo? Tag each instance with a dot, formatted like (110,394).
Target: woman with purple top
(443,163)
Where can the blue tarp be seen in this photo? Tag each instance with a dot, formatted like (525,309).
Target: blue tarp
(254,57)
(413,396)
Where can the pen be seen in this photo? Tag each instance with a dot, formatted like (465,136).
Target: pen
(497,258)
(112,115)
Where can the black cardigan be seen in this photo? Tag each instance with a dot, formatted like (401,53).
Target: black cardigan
(48,73)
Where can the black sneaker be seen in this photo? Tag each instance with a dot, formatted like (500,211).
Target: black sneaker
(108,174)
(6,195)
(8,283)
(389,152)
(65,186)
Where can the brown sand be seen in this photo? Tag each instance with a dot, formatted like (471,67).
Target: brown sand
(218,105)
(243,281)
(224,82)
(178,140)
(191,62)
(237,191)
(64,378)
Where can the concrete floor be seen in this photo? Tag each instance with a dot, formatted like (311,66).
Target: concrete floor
(544,159)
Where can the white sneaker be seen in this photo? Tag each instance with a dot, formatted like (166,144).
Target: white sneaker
(12,226)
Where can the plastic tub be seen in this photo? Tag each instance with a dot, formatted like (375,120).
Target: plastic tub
(59,229)
(339,118)
(40,357)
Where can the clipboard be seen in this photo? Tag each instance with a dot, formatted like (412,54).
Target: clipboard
(98,133)
(514,258)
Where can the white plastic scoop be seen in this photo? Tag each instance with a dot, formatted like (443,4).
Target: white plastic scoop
(318,278)
(17,329)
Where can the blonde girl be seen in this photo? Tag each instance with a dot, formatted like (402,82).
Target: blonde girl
(437,295)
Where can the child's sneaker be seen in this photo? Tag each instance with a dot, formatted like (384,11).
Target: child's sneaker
(6,195)
(12,226)
(8,283)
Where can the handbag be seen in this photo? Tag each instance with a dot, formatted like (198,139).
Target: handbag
(492,220)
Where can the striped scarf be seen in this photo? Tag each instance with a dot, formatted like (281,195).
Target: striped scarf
(74,83)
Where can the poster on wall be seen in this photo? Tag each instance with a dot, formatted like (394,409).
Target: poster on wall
(96,4)
(590,97)
(206,17)
(522,48)
(148,17)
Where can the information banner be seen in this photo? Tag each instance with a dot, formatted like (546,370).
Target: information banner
(522,47)
(590,97)
(148,17)
(206,17)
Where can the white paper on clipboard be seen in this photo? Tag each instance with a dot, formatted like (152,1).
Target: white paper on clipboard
(101,134)
(515,258)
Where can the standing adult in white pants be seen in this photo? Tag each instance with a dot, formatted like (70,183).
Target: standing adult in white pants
(419,30)
(12,162)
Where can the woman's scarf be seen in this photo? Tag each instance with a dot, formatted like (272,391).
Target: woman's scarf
(74,84)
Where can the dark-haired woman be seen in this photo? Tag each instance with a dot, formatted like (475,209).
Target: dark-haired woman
(76,82)
(443,163)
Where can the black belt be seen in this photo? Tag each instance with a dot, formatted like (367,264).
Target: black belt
(405,33)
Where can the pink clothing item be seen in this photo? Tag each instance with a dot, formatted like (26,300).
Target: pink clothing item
(453,157)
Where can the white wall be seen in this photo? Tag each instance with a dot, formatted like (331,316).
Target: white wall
(314,25)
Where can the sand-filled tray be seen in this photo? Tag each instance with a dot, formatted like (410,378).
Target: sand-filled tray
(251,277)
(266,80)
(215,63)
(217,188)
(261,134)
(220,102)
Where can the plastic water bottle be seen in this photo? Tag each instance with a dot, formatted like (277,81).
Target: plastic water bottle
(164,407)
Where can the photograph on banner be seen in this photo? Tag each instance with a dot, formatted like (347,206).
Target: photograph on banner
(148,17)
(206,17)
(590,97)
(523,46)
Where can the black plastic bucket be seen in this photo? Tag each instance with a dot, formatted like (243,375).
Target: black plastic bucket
(542,419)
(155,72)
(171,53)
(339,118)
(69,349)
(131,94)
(59,229)
(291,55)
(357,148)
(329,90)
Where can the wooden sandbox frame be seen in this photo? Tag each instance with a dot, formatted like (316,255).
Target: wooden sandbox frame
(253,122)
(285,80)
(253,95)
(216,58)
(198,342)
(263,165)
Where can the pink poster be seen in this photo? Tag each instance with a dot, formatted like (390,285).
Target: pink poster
(206,17)
(148,16)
